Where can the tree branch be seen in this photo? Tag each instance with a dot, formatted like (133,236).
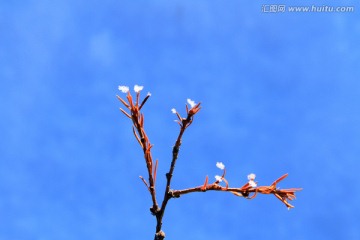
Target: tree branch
(282,194)
(184,124)
(138,123)
(248,190)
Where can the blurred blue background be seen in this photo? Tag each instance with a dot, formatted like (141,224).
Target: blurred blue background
(280,94)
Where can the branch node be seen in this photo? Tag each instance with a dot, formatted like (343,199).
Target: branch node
(173,194)
(154,210)
(168,175)
(159,235)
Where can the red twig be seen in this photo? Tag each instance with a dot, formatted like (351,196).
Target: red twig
(143,140)
(283,195)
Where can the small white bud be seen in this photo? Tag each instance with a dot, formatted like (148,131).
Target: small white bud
(252,183)
(123,89)
(218,178)
(220,165)
(138,88)
(191,102)
(251,177)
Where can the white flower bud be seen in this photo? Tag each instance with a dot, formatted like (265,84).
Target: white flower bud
(138,88)
(191,103)
(123,89)
(220,165)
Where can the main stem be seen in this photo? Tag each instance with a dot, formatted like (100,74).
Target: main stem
(159,215)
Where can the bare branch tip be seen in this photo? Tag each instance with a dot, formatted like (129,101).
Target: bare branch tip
(144,181)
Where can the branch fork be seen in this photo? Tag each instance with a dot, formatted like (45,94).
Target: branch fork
(249,190)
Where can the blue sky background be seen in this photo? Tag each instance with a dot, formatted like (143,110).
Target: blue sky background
(280,94)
